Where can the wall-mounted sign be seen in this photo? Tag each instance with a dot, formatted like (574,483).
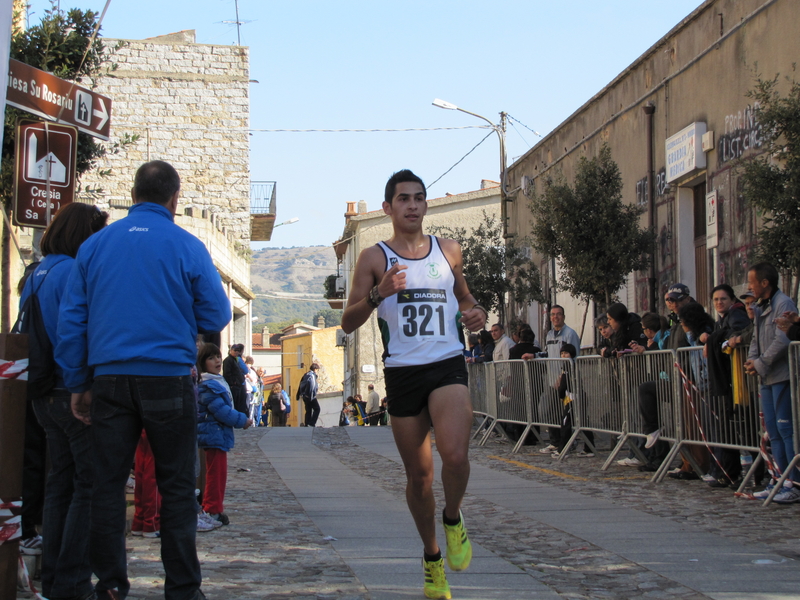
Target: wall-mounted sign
(711,220)
(38,92)
(367,368)
(44,176)
(684,151)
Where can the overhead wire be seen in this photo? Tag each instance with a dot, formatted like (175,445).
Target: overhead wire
(525,126)
(367,130)
(462,158)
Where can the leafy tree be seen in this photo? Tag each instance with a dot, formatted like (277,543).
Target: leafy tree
(332,317)
(494,269)
(60,45)
(56,45)
(595,237)
(771,182)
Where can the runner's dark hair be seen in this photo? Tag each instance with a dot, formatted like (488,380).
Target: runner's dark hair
(404,176)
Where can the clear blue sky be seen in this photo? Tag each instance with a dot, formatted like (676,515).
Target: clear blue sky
(379,64)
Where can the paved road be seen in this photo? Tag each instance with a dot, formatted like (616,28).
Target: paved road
(541,529)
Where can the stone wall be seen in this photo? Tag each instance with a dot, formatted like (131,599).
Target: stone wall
(189,104)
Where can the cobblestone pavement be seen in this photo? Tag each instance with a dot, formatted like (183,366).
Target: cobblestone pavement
(273,550)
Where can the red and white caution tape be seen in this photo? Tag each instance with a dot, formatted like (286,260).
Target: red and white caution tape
(10,508)
(14,369)
(25,579)
(10,530)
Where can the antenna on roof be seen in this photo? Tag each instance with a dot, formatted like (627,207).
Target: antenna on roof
(238,24)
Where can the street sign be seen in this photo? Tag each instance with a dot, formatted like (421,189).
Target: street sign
(55,99)
(45,151)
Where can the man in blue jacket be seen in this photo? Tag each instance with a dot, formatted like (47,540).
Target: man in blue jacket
(138,294)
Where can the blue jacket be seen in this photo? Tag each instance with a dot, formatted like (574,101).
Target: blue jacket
(216,416)
(139,292)
(50,281)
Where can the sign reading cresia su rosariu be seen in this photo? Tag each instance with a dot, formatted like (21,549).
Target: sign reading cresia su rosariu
(38,92)
(684,151)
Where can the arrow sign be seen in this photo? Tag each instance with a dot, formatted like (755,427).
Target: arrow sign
(50,97)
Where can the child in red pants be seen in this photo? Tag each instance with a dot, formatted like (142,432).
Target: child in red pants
(215,423)
(146,499)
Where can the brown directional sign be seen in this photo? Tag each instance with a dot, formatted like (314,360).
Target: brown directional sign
(45,151)
(50,97)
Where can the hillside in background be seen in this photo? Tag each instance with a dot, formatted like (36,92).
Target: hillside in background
(298,274)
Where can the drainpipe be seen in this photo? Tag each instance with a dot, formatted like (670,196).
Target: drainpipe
(649,109)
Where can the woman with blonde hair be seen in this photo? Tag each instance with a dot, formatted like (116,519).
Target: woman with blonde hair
(277,405)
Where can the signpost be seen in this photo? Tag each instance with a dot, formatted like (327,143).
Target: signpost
(712,222)
(55,99)
(44,175)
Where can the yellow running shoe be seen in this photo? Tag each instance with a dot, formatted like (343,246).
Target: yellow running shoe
(459,549)
(436,585)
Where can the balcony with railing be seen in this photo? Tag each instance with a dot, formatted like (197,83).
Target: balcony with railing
(263,206)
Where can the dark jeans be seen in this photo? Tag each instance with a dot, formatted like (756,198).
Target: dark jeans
(312,412)
(65,537)
(239,397)
(165,407)
(33,473)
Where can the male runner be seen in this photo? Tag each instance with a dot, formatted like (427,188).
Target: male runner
(416,283)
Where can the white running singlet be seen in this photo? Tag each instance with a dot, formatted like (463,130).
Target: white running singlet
(419,325)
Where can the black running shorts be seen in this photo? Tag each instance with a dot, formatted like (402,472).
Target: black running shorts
(408,388)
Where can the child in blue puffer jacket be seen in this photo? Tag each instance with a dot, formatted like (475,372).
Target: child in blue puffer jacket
(216,419)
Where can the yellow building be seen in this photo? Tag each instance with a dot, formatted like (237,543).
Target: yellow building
(298,351)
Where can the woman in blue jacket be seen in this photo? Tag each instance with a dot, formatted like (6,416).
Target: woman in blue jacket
(65,540)
(216,420)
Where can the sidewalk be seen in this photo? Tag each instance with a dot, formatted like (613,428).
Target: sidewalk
(540,529)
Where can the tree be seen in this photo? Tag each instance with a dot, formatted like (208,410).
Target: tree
(595,237)
(56,45)
(494,269)
(771,182)
(60,44)
(332,316)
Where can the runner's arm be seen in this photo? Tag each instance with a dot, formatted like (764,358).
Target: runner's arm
(368,271)
(473,316)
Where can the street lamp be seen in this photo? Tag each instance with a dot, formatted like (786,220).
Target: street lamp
(289,222)
(500,130)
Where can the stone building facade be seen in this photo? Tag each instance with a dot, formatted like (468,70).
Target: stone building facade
(189,105)
(298,351)
(363,350)
(697,76)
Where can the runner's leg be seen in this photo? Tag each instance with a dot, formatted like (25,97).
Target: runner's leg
(451,413)
(413,438)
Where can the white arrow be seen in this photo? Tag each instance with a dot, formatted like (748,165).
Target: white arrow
(102,113)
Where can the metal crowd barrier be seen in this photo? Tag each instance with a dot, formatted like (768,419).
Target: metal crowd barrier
(547,408)
(479,392)
(711,418)
(646,382)
(598,405)
(516,392)
(607,395)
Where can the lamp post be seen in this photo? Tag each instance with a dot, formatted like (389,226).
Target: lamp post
(500,130)
(289,222)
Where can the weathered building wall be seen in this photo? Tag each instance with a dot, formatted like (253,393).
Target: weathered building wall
(701,71)
(189,104)
(298,352)
(364,346)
